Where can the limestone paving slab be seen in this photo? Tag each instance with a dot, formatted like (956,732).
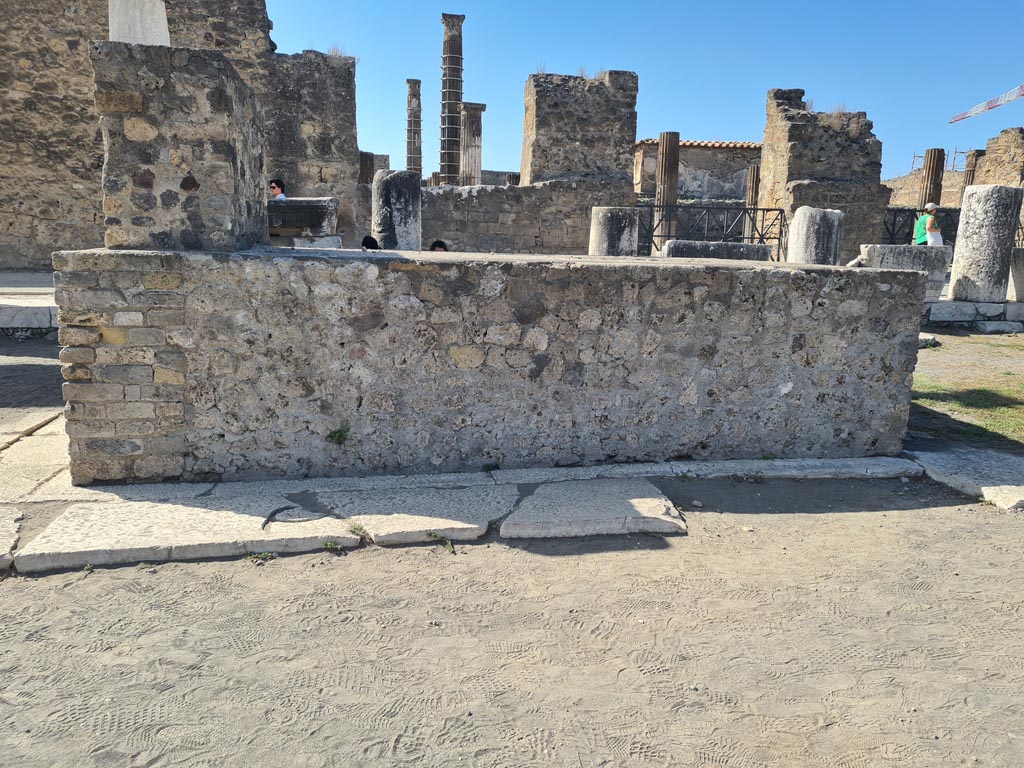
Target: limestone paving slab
(109,533)
(801,469)
(999,326)
(59,488)
(593,507)
(561,474)
(10,525)
(995,477)
(372,483)
(29,462)
(412,516)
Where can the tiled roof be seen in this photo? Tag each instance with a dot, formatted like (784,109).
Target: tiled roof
(712,144)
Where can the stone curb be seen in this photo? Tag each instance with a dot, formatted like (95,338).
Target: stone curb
(995,477)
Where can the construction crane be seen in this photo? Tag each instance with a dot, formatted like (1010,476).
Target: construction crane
(985,106)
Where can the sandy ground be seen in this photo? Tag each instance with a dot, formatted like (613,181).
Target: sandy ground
(847,624)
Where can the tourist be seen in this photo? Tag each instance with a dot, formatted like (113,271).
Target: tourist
(277,189)
(370,244)
(439,245)
(926,230)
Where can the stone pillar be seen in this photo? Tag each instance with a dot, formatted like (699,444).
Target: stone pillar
(139,22)
(666,191)
(367,163)
(970,169)
(471,151)
(984,241)
(815,236)
(414,128)
(931,178)
(395,219)
(614,231)
(750,201)
(184,147)
(451,97)
(1016,289)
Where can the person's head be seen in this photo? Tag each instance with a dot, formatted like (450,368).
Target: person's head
(276,187)
(931,207)
(370,243)
(438,245)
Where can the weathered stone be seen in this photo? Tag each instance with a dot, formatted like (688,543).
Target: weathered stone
(1015,286)
(614,231)
(396,216)
(952,312)
(142,22)
(1014,311)
(302,216)
(218,126)
(829,160)
(666,189)
(576,125)
(995,476)
(988,224)
(471,144)
(451,97)
(593,507)
(414,130)
(990,310)
(998,326)
(815,236)
(925,258)
(708,170)
(699,249)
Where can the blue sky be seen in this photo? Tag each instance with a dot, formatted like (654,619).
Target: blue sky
(704,67)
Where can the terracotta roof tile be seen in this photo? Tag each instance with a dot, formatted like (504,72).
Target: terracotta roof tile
(711,144)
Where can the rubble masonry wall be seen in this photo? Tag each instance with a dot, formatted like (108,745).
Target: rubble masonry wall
(240,365)
(705,173)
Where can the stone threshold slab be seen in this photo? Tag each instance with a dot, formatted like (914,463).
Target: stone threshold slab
(118,533)
(993,476)
(591,508)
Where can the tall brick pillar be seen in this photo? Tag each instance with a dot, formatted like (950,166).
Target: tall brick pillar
(471,154)
(931,179)
(667,190)
(414,129)
(451,97)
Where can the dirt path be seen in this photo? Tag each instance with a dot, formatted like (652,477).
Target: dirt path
(840,624)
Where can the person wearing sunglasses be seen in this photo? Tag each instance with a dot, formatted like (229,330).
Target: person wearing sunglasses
(277,189)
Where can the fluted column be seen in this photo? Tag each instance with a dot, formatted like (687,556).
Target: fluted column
(414,128)
(970,170)
(750,201)
(451,97)
(666,192)
(931,178)
(471,150)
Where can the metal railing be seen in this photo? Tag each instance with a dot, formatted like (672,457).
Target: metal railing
(899,225)
(712,223)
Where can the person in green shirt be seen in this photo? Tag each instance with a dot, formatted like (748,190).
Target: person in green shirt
(926,230)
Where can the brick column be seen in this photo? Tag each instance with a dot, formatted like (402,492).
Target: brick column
(471,151)
(451,97)
(931,178)
(413,128)
(667,190)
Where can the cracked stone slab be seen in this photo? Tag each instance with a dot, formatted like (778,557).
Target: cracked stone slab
(561,474)
(30,462)
(413,516)
(372,483)
(592,507)
(10,526)
(993,476)
(108,534)
(877,467)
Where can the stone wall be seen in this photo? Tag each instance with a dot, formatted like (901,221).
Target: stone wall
(577,125)
(1003,162)
(184,143)
(242,365)
(708,170)
(551,217)
(905,189)
(823,160)
(51,141)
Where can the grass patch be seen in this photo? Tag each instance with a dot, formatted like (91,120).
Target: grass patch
(987,410)
(340,435)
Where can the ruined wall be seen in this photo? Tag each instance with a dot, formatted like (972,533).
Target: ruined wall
(311,129)
(552,217)
(579,125)
(1003,161)
(49,135)
(708,170)
(439,362)
(905,189)
(824,160)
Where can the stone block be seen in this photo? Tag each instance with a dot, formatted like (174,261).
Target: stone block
(1015,286)
(695,249)
(304,217)
(396,221)
(952,312)
(614,231)
(185,103)
(1014,311)
(935,261)
(989,310)
(815,236)
(998,326)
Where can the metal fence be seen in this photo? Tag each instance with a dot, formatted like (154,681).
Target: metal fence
(899,225)
(712,223)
